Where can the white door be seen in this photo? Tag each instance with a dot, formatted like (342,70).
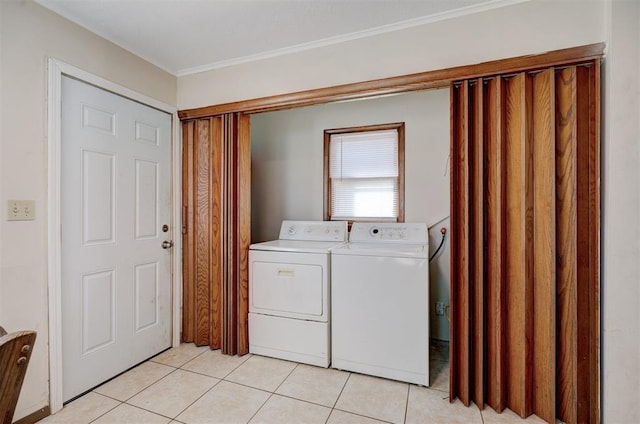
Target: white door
(116,198)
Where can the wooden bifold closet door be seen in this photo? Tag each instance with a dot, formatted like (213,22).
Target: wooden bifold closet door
(525,222)
(216,231)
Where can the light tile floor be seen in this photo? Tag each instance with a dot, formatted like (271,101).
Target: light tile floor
(193,385)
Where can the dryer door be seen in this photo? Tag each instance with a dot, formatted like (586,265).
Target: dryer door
(289,284)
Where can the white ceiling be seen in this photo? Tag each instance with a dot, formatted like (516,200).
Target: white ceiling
(188,36)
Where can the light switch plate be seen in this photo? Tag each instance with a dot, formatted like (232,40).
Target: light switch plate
(21,210)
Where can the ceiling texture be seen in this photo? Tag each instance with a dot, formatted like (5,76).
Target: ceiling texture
(189,36)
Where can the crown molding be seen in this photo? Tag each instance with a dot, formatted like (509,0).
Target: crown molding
(410,23)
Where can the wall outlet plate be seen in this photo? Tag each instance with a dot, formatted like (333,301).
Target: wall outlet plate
(439,309)
(21,210)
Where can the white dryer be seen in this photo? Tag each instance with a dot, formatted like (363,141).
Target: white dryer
(289,292)
(380,302)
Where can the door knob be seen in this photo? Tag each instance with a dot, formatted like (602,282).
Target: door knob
(167,244)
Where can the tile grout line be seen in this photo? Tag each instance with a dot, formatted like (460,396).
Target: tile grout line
(247,386)
(308,401)
(278,394)
(258,388)
(137,407)
(206,375)
(152,384)
(160,379)
(341,390)
(274,392)
(215,376)
(333,408)
(351,412)
(106,412)
(406,404)
(364,416)
(249,356)
(259,409)
(288,375)
(175,369)
(302,400)
(120,402)
(136,393)
(127,372)
(199,397)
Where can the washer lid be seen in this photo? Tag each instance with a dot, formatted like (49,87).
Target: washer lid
(297,246)
(405,250)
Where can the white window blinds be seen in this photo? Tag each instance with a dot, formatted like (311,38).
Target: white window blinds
(363,172)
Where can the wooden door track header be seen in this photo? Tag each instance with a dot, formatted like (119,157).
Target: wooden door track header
(400,84)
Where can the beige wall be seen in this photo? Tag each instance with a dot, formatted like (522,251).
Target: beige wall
(621,211)
(526,28)
(30,35)
(531,27)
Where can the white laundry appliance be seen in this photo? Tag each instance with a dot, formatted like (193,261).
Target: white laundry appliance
(289,292)
(380,302)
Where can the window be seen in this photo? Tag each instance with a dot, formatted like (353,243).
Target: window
(364,173)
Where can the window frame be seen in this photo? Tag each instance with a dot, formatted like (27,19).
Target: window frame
(399,126)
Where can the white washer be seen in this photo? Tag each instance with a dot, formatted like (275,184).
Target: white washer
(289,292)
(380,302)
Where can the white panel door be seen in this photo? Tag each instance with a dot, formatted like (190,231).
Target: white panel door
(116,197)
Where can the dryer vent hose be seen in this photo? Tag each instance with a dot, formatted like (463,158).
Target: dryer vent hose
(443,231)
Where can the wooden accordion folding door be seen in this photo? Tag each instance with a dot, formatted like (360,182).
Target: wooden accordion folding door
(525,222)
(216,231)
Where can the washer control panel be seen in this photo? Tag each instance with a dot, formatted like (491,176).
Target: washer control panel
(389,232)
(314,230)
